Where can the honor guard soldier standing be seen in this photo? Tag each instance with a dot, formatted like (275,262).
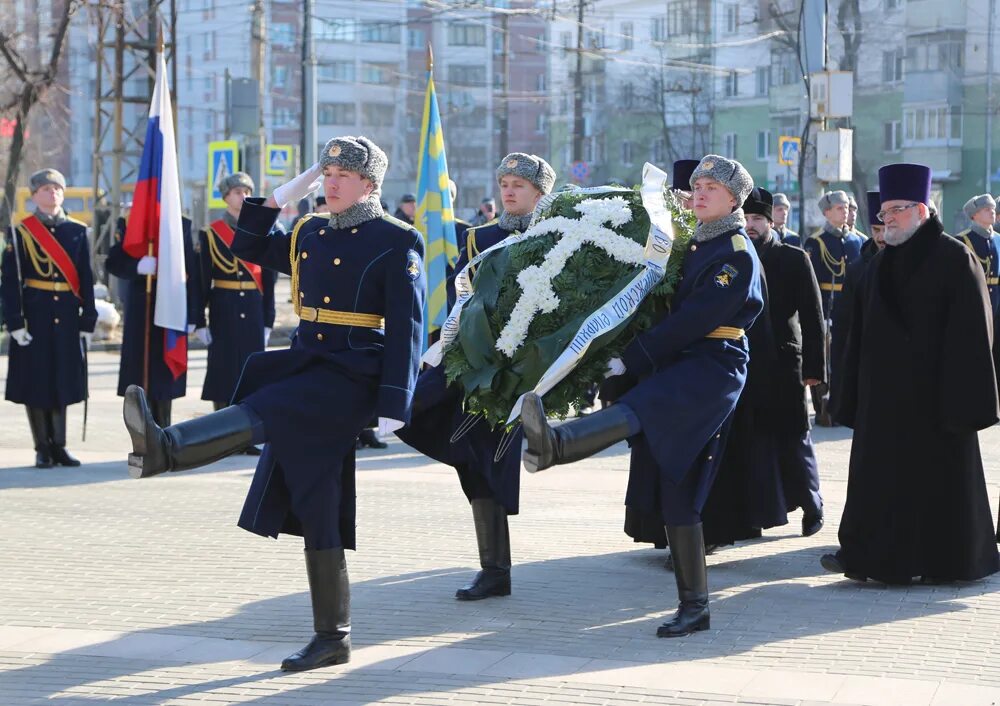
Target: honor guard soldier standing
(48,307)
(163,387)
(917,385)
(491,484)
(691,368)
(831,251)
(852,215)
(984,242)
(782,207)
(239,296)
(359,288)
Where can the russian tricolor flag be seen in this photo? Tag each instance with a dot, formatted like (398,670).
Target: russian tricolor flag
(154,225)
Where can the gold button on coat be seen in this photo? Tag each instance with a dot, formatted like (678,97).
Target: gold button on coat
(322,231)
(57,321)
(305,255)
(319,337)
(326,300)
(336,261)
(693,247)
(354,230)
(243,316)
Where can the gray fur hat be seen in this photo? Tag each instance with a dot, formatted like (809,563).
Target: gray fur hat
(728,172)
(834,198)
(47,176)
(979,202)
(356,154)
(530,167)
(236,179)
(782,200)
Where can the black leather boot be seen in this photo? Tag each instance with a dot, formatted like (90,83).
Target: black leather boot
(38,422)
(549,446)
(330,591)
(161,411)
(687,546)
(249,450)
(493,537)
(368,439)
(57,426)
(181,446)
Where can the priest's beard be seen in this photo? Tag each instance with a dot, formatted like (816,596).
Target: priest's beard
(898,236)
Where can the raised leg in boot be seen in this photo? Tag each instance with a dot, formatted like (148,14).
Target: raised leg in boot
(330,592)
(186,445)
(222,404)
(38,421)
(57,426)
(687,547)
(575,440)
(493,537)
(161,410)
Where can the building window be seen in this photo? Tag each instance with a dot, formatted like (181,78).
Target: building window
(628,32)
(594,39)
(336,71)
(892,66)
(763,145)
(659,150)
(785,68)
(416,39)
(732,18)
(893,4)
(471,117)
(935,52)
(628,94)
(763,77)
(566,39)
(282,34)
(279,76)
(380,33)
(627,152)
(335,114)
(892,136)
(335,30)
(379,74)
(463,34)
(378,114)
(540,83)
(685,17)
(467,75)
(932,126)
(540,123)
(729,145)
(732,87)
(658,29)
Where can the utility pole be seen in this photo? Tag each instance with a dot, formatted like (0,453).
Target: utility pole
(505,90)
(307,148)
(258,44)
(990,21)
(578,122)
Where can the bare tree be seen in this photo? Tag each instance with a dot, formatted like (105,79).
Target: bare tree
(30,83)
(673,91)
(850,27)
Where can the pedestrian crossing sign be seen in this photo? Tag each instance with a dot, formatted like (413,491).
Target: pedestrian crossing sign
(788,150)
(279,160)
(223,160)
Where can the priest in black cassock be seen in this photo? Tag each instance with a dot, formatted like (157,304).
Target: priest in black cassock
(916,385)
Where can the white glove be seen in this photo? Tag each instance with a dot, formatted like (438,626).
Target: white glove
(22,336)
(203,335)
(267,336)
(299,187)
(616,366)
(387,426)
(147,265)
(86,337)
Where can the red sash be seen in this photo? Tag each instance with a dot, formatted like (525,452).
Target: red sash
(226,234)
(56,252)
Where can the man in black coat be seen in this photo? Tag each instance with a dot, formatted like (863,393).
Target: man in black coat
(917,385)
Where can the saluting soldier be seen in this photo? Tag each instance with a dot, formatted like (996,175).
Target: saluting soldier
(359,289)
(782,207)
(491,485)
(162,386)
(239,296)
(831,250)
(691,367)
(48,308)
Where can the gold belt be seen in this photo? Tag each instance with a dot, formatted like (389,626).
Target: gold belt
(46,285)
(993,281)
(340,318)
(728,332)
(233,284)
(829,287)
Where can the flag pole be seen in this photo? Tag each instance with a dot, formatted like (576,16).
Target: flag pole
(149,277)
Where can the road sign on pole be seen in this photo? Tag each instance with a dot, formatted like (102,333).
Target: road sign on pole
(223,160)
(788,150)
(279,159)
(580,171)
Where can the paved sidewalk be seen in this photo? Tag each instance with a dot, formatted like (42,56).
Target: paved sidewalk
(145,592)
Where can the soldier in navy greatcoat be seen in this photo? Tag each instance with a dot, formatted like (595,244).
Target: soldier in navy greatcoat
(831,250)
(691,367)
(781,210)
(239,296)
(359,287)
(48,307)
(491,484)
(163,387)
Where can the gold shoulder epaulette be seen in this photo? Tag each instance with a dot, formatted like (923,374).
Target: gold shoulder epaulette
(739,243)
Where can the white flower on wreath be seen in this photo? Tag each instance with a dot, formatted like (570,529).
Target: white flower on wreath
(598,218)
